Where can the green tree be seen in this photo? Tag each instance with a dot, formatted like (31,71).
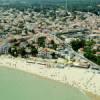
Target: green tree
(98,60)
(89,43)
(54,45)
(53,55)
(34,51)
(41,41)
(88,49)
(76,44)
(13,51)
(90,56)
(22,52)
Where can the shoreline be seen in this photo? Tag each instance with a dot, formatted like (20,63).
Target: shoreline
(82,79)
(93,96)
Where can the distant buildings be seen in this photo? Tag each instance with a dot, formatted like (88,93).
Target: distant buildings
(4,48)
(23,28)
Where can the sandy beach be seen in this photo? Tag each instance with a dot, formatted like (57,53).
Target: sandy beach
(84,79)
(93,96)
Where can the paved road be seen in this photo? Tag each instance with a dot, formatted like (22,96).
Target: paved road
(92,65)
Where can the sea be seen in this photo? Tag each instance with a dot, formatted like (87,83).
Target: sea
(18,85)
(70,3)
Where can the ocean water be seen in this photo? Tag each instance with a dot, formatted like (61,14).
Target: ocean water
(53,2)
(17,85)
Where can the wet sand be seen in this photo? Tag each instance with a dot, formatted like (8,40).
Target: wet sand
(93,96)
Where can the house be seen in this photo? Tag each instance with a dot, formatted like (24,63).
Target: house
(96,38)
(97,53)
(4,48)
(81,51)
(81,64)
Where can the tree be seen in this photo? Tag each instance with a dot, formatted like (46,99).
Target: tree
(13,51)
(88,49)
(89,53)
(34,51)
(53,55)
(76,44)
(89,43)
(22,52)
(54,45)
(41,41)
(98,60)
(90,56)
(52,42)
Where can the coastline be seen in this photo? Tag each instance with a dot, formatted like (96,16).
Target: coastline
(93,96)
(83,79)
